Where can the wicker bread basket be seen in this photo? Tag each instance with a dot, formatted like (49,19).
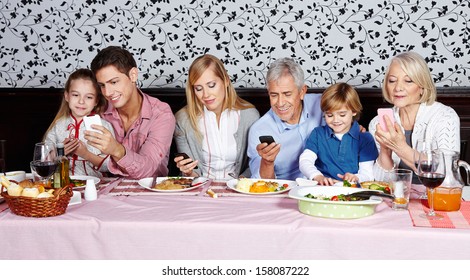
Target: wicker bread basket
(39,207)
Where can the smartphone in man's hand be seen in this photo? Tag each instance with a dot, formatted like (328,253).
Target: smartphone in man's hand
(266,139)
(89,120)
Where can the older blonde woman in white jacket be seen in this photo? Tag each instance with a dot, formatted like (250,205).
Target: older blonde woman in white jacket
(409,86)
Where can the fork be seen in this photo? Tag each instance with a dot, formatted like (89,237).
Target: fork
(154,179)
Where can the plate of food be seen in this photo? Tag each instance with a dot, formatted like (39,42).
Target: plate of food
(376,186)
(173,184)
(327,202)
(347,184)
(260,186)
(79,181)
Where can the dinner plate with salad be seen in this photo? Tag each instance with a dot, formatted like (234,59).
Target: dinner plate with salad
(79,181)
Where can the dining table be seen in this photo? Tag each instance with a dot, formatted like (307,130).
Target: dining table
(130,222)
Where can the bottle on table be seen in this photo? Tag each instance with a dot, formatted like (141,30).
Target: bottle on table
(61,176)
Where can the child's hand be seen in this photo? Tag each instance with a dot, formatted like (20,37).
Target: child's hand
(70,145)
(81,149)
(324,181)
(349,177)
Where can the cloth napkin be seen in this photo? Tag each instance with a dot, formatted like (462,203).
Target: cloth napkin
(132,187)
(221,189)
(457,219)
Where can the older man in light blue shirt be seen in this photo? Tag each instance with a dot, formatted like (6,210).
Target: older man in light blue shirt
(291,119)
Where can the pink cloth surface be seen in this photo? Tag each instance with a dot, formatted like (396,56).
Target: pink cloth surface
(453,219)
(200,227)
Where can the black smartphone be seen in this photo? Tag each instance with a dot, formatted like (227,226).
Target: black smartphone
(184,155)
(266,139)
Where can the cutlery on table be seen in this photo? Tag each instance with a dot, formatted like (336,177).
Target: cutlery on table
(368,194)
(154,179)
(199,181)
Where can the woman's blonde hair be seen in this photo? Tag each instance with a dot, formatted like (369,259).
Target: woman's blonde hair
(195,108)
(417,69)
(339,95)
(64,109)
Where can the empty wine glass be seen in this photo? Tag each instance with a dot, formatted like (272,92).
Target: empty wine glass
(431,173)
(44,161)
(423,146)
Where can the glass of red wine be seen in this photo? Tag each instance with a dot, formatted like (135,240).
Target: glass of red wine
(431,173)
(423,146)
(44,161)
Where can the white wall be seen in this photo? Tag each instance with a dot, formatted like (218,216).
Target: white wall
(42,41)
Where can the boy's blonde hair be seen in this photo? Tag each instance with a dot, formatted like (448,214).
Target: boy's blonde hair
(339,95)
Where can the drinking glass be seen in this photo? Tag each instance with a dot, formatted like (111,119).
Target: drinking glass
(431,173)
(424,146)
(44,161)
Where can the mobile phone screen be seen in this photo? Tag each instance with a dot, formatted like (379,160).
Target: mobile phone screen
(266,139)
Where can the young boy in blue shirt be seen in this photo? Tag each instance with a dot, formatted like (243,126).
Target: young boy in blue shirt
(339,151)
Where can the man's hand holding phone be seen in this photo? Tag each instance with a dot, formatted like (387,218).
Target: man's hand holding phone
(268,148)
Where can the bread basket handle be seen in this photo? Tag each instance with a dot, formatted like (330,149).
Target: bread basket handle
(64,191)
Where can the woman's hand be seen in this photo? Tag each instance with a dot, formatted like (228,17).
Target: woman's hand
(393,139)
(186,166)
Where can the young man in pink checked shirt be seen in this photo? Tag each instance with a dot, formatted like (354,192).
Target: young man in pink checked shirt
(143,125)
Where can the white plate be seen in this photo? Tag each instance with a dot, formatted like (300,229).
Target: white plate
(302,182)
(79,177)
(146,183)
(329,191)
(232,184)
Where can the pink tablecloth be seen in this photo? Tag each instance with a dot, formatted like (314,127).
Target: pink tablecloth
(200,227)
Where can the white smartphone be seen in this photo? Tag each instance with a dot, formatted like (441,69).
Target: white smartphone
(385,112)
(89,120)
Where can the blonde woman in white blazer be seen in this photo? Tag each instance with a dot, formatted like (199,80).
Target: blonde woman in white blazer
(409,86)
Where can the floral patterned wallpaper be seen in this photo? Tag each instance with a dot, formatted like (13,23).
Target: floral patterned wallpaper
(42,41)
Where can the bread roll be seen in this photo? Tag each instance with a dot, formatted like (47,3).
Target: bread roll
(44,195)
(30,192)
(5,181)
(14,189)
(26,183)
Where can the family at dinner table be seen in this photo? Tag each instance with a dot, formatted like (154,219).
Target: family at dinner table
(219,135)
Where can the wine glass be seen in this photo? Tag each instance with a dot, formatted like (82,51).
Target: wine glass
(423,146)
(431,173)
(44,161)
